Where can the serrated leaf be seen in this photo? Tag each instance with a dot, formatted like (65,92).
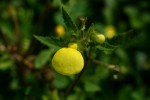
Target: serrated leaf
(91,31)
(68,21)
(43,57)
(47,41)
(91,27)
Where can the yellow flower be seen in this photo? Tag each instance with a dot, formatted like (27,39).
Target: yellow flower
(110,31)
(60,30)
(68,61)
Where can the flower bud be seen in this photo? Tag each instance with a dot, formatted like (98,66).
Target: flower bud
(73,45)
(59,30)
(100,38)
(110,32)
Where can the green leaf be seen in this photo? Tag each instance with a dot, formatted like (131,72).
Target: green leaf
(60,81)
(14,85)
(90,87)
(91,30)
(54,95)
(4,65)
(100,47)
(68,21)
(43,57)
(47,41)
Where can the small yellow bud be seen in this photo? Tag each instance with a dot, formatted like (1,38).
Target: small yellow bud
(110,31)
(59,30)
(73,45)
(100,38)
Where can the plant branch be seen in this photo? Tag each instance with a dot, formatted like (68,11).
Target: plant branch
(75,82)
(17,31)
(109,66)
(38,26)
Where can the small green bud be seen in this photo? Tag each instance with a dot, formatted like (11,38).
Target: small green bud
(100,38)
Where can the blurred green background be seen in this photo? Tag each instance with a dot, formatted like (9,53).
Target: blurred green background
(25,70)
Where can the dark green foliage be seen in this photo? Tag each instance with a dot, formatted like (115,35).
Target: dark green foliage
(115,70)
